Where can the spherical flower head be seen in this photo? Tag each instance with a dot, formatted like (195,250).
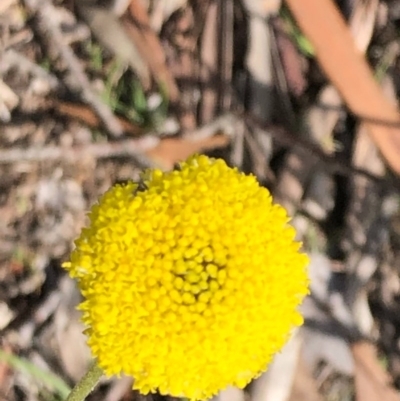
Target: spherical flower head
(191,279)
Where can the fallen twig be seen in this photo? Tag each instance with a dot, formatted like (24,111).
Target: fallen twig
(129,147)
(162,151)
(78,82)
(11,58)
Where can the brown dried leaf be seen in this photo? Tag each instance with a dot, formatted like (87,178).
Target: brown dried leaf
(356,82)
(86,115)
(173,150)
(137,24)
(371,381)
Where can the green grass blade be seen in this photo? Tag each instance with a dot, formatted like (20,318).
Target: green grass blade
(50,380)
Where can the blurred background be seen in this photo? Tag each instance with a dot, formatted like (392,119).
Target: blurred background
(94,91)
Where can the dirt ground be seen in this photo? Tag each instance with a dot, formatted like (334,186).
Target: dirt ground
(92,92)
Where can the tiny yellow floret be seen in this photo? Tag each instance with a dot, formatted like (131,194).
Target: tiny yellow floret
(191,279)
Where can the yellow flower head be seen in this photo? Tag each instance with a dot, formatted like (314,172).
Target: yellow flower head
(191,280)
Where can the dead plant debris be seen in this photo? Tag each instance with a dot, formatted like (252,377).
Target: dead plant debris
(302,94)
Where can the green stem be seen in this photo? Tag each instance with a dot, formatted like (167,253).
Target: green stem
(86,384)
